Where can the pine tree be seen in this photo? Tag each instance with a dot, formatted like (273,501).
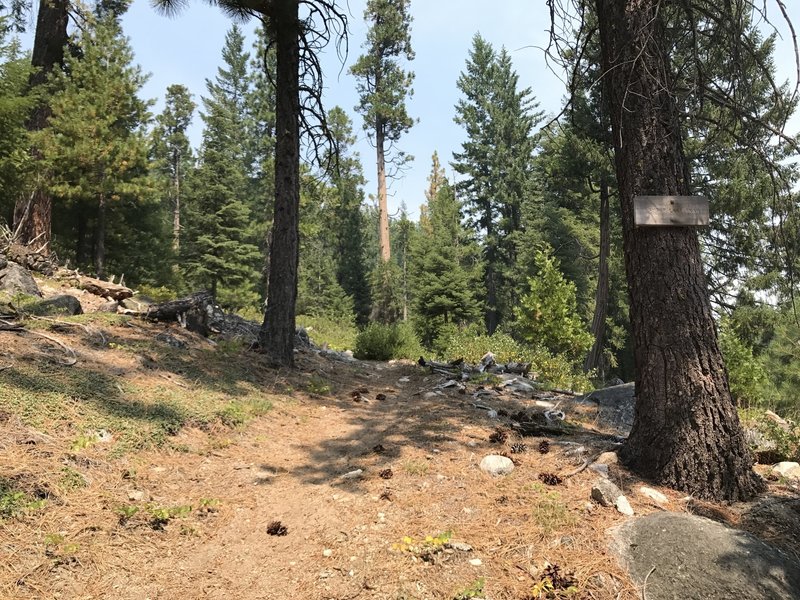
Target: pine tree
(441,281)
(348,219)
(496,161)
(220,251)
(14,107)
(172,151)
(383,87)
(95,145)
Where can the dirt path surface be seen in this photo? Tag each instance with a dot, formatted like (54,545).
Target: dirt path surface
(191,518)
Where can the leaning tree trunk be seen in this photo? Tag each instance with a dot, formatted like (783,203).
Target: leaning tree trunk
(33,212)
(383,207)
(278,329)
(601,295)
(686,432)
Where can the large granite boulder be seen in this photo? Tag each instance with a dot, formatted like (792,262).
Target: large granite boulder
(15,279)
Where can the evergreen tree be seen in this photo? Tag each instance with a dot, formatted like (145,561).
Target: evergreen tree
(547,314)
(95,145)
(348,219)
(383,87)
(220,250)
(14,107)
(441,282)
(172,151)
(495,161)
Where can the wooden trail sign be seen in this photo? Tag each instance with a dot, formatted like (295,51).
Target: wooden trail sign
(670,210)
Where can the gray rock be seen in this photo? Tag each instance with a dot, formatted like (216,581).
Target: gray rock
(654,495)
(108,307)
(623,506)
(615,405)
(58,305)
(599,468)
(607,458)
(605,492)
(138,495)
(460,546)
(3,262)
(139,303)
(790,470)
(16,279)
(496,465)
(700,559)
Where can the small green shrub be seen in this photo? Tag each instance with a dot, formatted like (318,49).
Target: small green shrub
(473,590)
(547,315)
(750,385)
(318,385)
(14,501)
(385,342)
(337,335)
(556,371)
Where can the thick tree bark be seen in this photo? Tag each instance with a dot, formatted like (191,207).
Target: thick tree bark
(278,329)
(686,433)
(601,295)
(33,213)
(383,210)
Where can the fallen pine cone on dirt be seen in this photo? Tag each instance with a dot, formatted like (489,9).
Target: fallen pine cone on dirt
(498,437)
(519,447)
(386,474)
(549,478)
(544,447)
(277,528)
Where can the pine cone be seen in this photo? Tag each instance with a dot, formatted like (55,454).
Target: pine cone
(549,478)
(519,447)
(544,447)
(386,474)
(277,528)
(499,436)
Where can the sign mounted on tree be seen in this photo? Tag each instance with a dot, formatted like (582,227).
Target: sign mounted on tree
(670,210)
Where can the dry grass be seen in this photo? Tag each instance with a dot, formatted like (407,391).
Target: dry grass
(191,430)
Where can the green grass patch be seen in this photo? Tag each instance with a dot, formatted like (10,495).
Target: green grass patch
(15,501)
(322,330)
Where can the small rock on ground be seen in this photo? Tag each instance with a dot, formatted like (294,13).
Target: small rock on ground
(605,492)
(495,464)
(654,495)
(623,506)
(790,470)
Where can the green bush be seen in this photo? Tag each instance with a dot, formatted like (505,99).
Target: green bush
(323,330)
(750,385)
(548,316)
(384,342)
(554,370)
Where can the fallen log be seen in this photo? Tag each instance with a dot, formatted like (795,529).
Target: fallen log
(106,289)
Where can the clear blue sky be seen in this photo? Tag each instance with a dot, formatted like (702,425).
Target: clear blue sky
(187,48)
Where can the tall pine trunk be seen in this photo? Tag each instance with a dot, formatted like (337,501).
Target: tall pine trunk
(33,213)
(100,239)
(383,210)
(601,295)
(278,329)
(176,204)
(686,432)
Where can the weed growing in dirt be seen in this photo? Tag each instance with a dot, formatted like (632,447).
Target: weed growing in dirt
(318,385)
(426,548)
(126,512)
(416,467)
(473,590)
(56,546)
(550,512)
(160,516)
(14,502)
(71,480)
(238,412)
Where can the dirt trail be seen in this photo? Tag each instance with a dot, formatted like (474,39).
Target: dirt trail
(378,535)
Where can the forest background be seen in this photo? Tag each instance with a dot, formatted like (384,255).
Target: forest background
(496,247)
